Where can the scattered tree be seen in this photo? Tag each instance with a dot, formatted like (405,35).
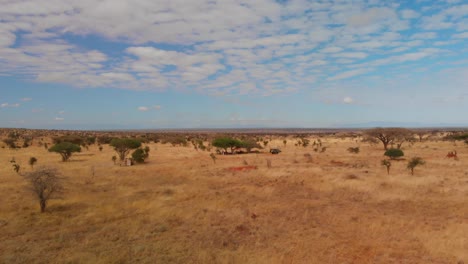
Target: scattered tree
(100,148)
(390,135)
(285,142)
(32,161)
(227,142)
(45,184)
(123,146)
(249,144)
(394,153)
(387,164)
(65,149)
(414,162)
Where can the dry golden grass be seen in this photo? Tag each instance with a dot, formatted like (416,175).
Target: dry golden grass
(179,207)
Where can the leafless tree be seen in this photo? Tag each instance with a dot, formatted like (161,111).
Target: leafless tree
(390,136)
(45,183)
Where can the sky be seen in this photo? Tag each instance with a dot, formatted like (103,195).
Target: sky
(155,64)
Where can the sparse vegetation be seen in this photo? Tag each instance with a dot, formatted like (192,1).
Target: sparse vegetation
(236,207)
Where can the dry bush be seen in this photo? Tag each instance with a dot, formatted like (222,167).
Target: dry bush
(45,183)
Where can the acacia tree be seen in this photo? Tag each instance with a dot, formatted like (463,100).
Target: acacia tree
(65,149)
(123,146)
(45,183)
(227,142)
(390,135)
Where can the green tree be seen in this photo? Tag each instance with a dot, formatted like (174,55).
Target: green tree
(123,146)
(414,162)
(65,149)
(227,142)
(249,144)
(394,153)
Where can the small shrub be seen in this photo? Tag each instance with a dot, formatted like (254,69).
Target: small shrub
(394,153)
(114,158)
(414,162)
(354,150)
(16,167)
(32,161)
(387,164)
(213,157)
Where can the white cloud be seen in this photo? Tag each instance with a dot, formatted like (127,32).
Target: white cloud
(26,99)
(348,74)
(59,119)
(37,110)
(409,14)
(4,105)
(146,108)
(463,35)
(348,100)
(424,35)
(268,47)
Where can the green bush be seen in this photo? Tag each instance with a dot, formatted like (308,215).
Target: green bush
(139,155)
(394,153)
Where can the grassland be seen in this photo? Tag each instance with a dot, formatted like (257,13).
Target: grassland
(180,207)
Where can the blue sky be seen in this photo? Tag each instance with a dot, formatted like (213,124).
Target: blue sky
(118,64)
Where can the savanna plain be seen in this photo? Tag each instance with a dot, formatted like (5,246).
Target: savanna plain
(298,206)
